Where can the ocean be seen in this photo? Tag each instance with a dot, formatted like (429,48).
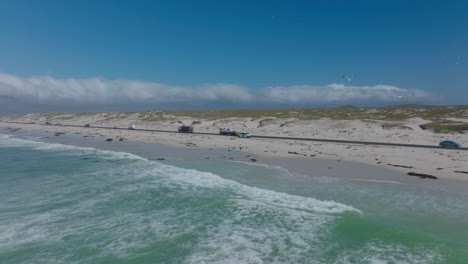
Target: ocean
(67,204)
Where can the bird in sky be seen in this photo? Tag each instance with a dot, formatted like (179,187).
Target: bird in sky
(349,78)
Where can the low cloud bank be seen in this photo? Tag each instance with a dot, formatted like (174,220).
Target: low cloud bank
(63,93)
(334,93)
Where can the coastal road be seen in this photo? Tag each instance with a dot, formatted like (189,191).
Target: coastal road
(266,137)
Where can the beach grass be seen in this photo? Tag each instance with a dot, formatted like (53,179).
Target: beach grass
(439,118)
(446,126)
(393,113)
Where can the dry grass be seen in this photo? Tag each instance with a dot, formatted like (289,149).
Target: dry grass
(390,117)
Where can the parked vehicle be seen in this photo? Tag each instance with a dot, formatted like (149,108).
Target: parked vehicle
(185,129)
(87,125)
(243,134)
(132,127)
(48,123)
(449,144)
(58,124)
(227,131)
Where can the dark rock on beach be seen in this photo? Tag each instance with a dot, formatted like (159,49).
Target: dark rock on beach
(400,166)
(422,175)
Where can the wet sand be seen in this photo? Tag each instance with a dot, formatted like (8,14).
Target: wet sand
(307,166)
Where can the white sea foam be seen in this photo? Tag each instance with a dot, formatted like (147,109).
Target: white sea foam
(119,219)
(267,197)
(255,221)
(379,252)
(292,224)
(255,232)
(252,164)
(10,141)
(371,180)
(29,229)
(193,177)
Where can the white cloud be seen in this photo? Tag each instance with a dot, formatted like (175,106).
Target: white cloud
(230,92)
(45,89)
(48,90)
(341,93)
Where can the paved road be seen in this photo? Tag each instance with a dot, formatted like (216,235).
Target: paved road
(272,137)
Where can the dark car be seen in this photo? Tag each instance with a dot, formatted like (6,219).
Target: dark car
(185,129)
(87,125)
(449,144)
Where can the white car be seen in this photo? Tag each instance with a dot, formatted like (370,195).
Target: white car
(243,134)
(132,127)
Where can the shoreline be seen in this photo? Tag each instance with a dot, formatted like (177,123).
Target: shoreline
(348,127)
(155,149)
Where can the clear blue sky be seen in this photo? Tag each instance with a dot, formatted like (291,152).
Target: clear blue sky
(408,44)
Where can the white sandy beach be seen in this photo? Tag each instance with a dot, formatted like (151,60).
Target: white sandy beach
(442,163)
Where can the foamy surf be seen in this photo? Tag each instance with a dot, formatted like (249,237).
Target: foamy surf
(193,177)
(63,204)
(10,141)
(372,180)
(266,197)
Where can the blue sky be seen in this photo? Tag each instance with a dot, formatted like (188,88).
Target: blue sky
(420,46)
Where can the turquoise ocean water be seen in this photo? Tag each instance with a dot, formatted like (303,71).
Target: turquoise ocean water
(65,204)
